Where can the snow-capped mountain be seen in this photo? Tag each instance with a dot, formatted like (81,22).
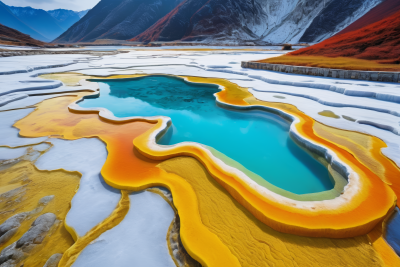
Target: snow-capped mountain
(66,18)
(39,20)
(375,36)
(274,21)
(40,24)
(118,19)
(82,13)
(337,15)
(218,21)
(384,10)
(7,18)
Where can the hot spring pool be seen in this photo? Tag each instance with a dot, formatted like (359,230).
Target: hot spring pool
(257,140)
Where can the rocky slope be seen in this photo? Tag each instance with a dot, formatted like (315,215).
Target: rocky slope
(381,11)
(7,18)
(200,19)
(10,36)
(66,18)
(118,19)
(218,21)
(39,20)
(272,21)
(40,24)
(337,15)
(378,41)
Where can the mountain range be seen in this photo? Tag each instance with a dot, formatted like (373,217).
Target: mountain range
(273,21)
(384,10)
(218,21)
(205,21)
(39,24)
(375,36)
(118,19)
(9,36)
(66,18)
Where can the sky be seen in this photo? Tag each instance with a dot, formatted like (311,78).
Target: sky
(77,5)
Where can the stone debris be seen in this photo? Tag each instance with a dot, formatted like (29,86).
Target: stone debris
(45,200)
(16,193)
(38,231)
(16,252)
(10,256)
(182,257)
(10,227)
(53,260)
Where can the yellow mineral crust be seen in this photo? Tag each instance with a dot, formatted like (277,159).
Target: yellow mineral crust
(114,219)
(385,251)
(256,244)
(126,168)
(35,185)
(356,212)
(367,150)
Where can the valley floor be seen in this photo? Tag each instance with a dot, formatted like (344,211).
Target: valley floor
(109,195)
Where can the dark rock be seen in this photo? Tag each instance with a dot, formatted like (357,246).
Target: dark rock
(117,19)
(179,252)
(53,260)
(10,227)
(38,230)
(240,21)
(287,47)
(335,13)
(45,200)
(16,252)
(10,256)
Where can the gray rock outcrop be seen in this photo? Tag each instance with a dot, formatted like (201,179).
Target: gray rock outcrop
(53,260)
(16,252)
(10,227)
(38,231)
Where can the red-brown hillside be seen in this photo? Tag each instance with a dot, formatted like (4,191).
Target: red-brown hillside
(153,33)
(10,36)
(378,41)
(381,11)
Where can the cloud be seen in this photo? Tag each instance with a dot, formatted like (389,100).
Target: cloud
(76,5)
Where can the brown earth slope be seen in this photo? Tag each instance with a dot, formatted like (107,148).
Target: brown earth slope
(381,11)
(9,36)
(374,47)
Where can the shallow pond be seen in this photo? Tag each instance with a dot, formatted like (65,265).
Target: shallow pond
(257,140)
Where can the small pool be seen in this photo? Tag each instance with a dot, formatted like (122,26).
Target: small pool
(257,140)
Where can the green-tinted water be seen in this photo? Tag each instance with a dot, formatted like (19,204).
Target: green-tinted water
(257,140)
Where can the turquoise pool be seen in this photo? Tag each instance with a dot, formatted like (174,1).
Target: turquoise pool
(257,140)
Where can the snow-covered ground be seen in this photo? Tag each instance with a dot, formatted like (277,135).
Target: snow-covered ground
(15,47)
(94,200)
(142,233)
(374,106)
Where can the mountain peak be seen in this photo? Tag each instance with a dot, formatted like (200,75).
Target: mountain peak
(40,24)
(118,19)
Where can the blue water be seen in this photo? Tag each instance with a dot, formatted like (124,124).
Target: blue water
(392,234)
(257,140)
